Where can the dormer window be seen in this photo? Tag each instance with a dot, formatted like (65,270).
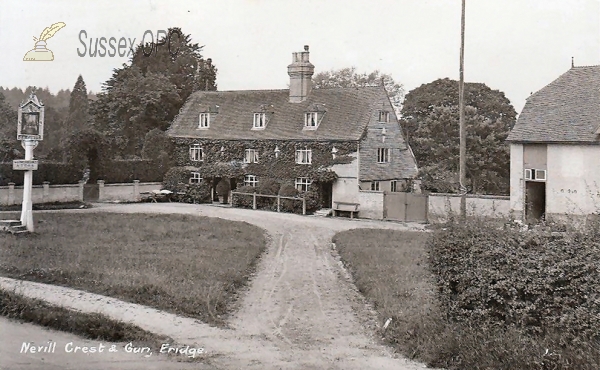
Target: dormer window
(311,119)
(260,120)
(313,116)
(204,121)
(384,116)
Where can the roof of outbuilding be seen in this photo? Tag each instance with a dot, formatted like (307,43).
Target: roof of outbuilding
(347,112)
(565,111)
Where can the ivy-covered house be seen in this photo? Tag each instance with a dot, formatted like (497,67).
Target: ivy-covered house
(339,140)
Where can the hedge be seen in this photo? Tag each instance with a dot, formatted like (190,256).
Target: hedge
(125,171)
(53,172)
(536,281)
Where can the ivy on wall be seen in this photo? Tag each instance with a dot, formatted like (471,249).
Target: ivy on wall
(224,158)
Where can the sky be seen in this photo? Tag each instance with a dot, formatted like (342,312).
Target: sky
(515,46)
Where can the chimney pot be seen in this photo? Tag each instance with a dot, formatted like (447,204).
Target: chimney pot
(305,47)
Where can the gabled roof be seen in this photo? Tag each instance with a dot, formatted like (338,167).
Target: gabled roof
(347,112)
(565,111)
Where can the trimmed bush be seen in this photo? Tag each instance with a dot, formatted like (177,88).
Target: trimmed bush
(267,187)
(288,205)
(176,176)
(313,198)
(124,171)
(244,201)
(197,193)
(54,172)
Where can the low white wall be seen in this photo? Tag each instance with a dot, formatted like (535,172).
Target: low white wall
(10,195)
(371,204)
(126,192)
(442,205)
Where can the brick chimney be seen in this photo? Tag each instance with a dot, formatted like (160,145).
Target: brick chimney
(300,71)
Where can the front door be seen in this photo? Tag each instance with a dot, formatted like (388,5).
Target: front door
(326,194)
(535,201)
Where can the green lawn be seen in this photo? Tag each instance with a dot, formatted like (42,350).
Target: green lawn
(183,264)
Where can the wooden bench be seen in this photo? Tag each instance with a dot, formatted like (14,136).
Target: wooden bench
(345,207)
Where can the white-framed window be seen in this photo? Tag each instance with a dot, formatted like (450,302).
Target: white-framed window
(394,186)
(204,121)
(303,183)
(251,156)
(384,116)
(311,119)
(250,180)
(303,156)
(375,185)
(383,155)
(195,179)
(196,153)
(535,175)
(260,120)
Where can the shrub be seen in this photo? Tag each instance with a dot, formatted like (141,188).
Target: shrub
(542,285)
(223,188)
(288,205)
(267,187)
(197,193)
(244,201)
(313,198)
(176,176)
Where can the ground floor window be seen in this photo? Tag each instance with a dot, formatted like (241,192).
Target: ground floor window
(250,180)
(375,185)
(195,179)
(303,183)
(394,186)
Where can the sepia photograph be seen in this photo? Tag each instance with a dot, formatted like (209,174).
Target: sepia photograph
(300,185)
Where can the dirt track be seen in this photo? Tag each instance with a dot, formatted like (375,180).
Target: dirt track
(300,311)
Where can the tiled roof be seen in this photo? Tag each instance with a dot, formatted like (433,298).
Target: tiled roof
(565,111)
(347,114)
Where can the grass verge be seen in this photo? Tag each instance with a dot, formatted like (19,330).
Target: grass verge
(390,269)
(93,326)
(47,206)
(183,264)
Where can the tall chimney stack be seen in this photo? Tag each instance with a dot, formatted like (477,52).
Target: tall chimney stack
(300,72)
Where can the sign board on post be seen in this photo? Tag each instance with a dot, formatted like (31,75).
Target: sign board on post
(25,165)
(30,125)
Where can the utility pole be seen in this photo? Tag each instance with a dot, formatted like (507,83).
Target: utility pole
(463,133)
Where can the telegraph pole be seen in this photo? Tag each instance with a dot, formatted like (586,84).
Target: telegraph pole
(461,107)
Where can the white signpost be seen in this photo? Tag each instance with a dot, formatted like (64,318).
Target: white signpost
(30,131)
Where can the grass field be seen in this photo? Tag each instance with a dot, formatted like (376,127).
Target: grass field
(390,269)
(182,264)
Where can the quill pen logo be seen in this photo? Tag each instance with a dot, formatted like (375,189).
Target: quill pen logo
(40,52)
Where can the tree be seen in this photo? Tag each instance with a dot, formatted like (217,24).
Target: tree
(78,108)
(348,77)
(9,146)
(148,93)
(430,119)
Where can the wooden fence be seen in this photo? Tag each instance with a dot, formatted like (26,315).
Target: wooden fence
(279,197)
